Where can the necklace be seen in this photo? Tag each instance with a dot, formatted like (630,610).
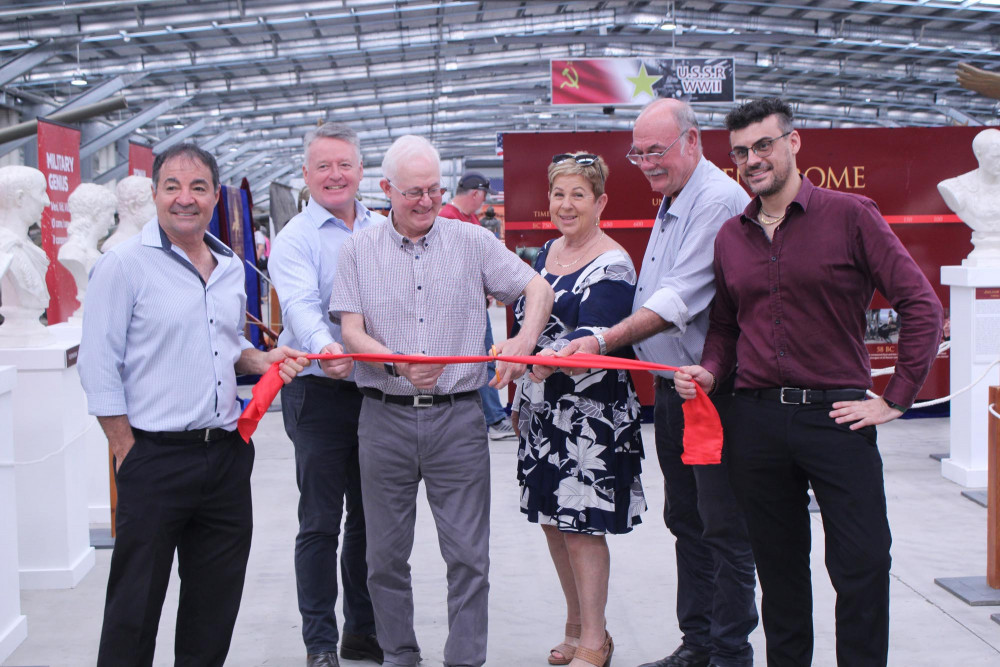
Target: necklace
(582,251)
(773,219)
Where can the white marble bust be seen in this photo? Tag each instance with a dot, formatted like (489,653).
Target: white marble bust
(975,198)
(92,212)
(23,197)
(135,208)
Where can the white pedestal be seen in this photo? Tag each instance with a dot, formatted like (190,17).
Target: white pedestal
(98,468)
(50,455)
(13,627)
(975,344)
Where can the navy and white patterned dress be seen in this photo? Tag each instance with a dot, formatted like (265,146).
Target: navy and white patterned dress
(580,451)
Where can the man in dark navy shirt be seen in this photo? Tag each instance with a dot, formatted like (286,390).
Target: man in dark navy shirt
(795,273)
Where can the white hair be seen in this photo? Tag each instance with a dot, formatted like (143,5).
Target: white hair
(405,149)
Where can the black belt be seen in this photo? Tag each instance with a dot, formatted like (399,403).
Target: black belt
(795,396)
(418,401)
(200,435)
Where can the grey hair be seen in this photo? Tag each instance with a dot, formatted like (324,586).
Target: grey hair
(331,131)
(405,148)
(682,112)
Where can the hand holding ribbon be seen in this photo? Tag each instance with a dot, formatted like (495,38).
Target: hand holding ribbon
(702,429)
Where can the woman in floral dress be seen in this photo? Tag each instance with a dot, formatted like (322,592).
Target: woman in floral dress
(580,448)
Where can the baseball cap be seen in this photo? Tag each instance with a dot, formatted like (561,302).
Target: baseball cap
(473,180)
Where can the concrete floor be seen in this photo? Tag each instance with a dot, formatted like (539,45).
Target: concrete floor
(936,533)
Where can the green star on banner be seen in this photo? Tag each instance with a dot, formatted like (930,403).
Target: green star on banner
(643,82)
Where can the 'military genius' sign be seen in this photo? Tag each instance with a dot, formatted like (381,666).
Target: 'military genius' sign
(637,81)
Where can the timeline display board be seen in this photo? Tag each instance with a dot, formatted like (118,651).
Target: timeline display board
(898,168)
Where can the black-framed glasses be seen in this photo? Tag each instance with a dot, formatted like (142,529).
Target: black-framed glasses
(416,194)
(638,158)
(583,159)
(763,148)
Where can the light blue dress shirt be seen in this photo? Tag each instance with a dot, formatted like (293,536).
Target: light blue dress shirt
(676,281)
(303,267)
(160,344)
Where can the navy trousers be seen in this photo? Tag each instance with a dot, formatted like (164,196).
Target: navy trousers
(321,418)
(716,609)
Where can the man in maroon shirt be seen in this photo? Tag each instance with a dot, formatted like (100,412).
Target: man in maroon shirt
(795,273)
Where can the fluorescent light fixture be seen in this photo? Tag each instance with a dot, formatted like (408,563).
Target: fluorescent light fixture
(668,26)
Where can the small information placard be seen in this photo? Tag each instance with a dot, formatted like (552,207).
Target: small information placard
(986,334)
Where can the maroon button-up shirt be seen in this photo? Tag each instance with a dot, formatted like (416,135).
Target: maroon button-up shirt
(791,310)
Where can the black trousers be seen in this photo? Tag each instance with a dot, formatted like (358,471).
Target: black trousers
(716,609)
(193,498)
(775,452)
(321,419)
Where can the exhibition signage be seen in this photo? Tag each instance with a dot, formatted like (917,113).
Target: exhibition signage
(59,161)
(140,159)
(637,81)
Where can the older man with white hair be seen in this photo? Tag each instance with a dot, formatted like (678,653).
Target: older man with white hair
(415,286)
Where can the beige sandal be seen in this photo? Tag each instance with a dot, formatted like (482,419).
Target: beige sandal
(600,658)
(567,651)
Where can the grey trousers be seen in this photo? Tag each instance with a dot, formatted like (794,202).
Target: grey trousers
(444,445)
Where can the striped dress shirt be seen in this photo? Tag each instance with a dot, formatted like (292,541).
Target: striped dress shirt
(160,344)
(426,297)
(303,266)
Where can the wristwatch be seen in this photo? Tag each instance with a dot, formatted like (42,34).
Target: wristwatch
(896,406)
(602,345)
(390,369)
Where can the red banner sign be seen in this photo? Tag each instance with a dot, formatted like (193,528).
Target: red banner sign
(59,161)
(140,160)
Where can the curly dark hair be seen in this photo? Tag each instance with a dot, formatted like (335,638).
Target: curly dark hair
(757,110)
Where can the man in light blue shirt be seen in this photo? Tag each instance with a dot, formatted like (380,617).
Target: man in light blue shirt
(321,406)
(716,610)
(162,344)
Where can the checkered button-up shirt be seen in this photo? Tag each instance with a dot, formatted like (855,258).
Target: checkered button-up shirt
(427,297)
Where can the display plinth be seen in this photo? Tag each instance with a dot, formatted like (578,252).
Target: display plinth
(98,471)
(13,626)
(50,465)
(975,344)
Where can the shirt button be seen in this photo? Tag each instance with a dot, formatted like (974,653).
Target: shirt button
(652,259)
(211,321)
(219,384)
(216,354)
(781,354)
(421,319)
(774,259)
(640,289)
(419,287)
(217,414)
(777,321)
(773,290)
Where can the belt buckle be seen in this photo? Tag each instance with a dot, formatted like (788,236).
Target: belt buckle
(802,399)
(423,400)
(208,433)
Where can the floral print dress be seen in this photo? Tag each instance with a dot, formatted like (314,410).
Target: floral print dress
(580,453)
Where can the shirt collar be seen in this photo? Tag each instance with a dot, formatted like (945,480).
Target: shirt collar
(801,199)
(680,206)
(154,236)
(319,216)
(427,239)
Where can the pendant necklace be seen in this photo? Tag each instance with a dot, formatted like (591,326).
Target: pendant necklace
(582,252)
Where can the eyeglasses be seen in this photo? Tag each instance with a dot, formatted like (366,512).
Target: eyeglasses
(583,159)
(638,158)
(763,148)
(416,194)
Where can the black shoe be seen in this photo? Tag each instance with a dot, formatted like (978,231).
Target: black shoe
(360,647)
(324,659)
(684,656)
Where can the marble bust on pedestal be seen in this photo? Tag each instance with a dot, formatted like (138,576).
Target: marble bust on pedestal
(23,197)
(92,212)
(975,198)
(135,209)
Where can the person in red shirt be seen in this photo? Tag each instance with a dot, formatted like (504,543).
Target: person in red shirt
(795,273)
(470,195)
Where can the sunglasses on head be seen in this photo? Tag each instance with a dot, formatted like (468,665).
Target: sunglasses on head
(586,159)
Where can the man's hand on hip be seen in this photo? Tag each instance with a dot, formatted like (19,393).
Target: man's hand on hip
(863,413)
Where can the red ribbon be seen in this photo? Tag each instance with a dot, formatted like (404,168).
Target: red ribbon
(702,429)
